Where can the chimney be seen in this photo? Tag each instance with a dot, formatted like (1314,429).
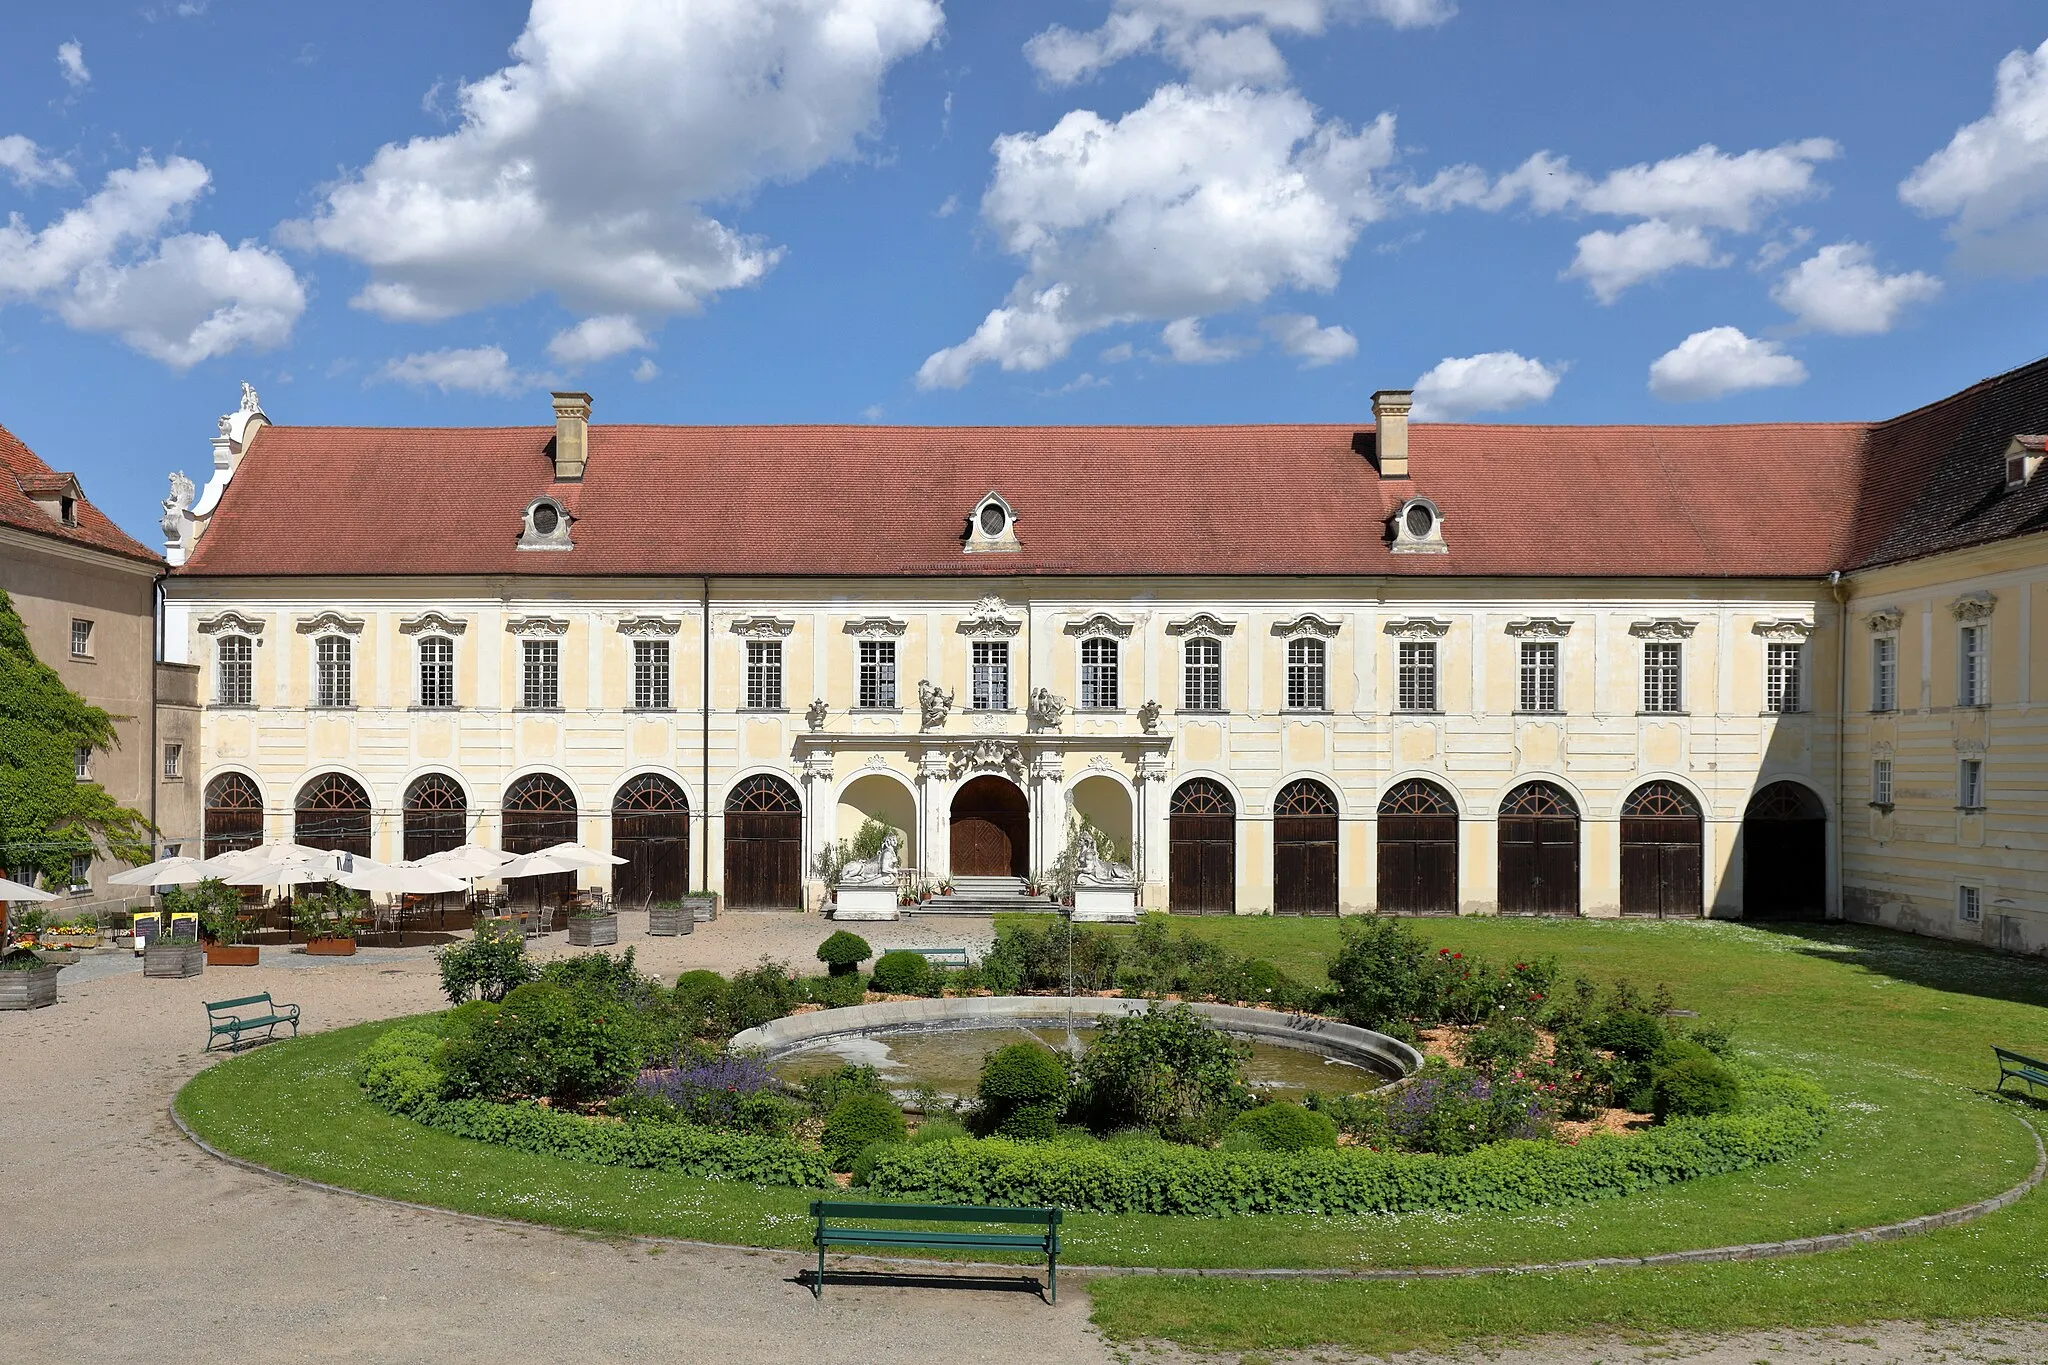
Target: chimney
(1390,430)
(572,434)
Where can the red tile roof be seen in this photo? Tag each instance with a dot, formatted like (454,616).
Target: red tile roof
(1694,501)
(23,473)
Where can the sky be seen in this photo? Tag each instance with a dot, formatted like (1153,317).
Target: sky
(1063,211)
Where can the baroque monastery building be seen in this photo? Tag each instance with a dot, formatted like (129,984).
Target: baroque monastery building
(1778,670)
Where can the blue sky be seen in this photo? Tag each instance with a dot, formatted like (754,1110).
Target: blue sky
(929,211)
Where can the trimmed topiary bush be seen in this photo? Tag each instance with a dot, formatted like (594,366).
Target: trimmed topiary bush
(1692,1086)
(1285,1127)
(856,1122)
(843,952)
(1631,1034)
(837,991)
(1023,1092)
(902,972)
(699,995)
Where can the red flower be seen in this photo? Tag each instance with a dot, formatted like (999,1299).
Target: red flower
(1456,956)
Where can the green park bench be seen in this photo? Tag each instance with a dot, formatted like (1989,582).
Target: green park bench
(2012,1066)
(945,957)
(1046,1241)
(230,1019)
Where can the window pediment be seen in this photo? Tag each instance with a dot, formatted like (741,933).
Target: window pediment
(876,627)
(330,623)
(1202,623)
(1974,606)
(748,627)
(1787,629)
(432,623)
(990,620)
(1418,628)
(537,626)
(1101,623)
(1663,628)
(1540,628)
(1885,620)
(231,623)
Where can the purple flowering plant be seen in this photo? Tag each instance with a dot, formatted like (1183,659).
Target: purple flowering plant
(718,1092)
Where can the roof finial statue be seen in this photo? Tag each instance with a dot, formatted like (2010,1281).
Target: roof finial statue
(249,403)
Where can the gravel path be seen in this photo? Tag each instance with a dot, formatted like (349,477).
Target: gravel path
(125,1242)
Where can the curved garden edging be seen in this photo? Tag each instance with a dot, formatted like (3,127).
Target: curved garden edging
(1797,1246)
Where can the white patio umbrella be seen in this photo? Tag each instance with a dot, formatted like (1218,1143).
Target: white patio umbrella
(15,891)
(534,865)
(404,879)
(470,860)
(178,871)
(576,855)
(240,859)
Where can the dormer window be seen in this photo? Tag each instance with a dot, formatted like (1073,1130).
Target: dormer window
(67,510)
(992,525)
(546,526)
(2023,460)
(1417,528)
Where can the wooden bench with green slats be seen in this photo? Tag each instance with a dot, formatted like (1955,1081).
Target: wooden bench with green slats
(1046,1241)
(2013,1066)
(945,957)
(230,1019)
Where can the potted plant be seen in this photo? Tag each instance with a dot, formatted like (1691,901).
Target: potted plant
(946,886)
(71,935)
(592,927)
(328,920)
(221,925)
(670,917)
(703,905)
(26,981)
(170,958)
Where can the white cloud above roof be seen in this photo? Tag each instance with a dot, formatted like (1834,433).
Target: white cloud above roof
(1838,289)
(1458,387)
(1611,263)
(1301,336)
(1720,361)
(1992,177)
(1216,42)
(25,164)
(474,369)
(598,338)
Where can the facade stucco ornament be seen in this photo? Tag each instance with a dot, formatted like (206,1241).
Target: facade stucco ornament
(1885,620)
(876,763)
(932,763)
(648,627)
(1307,626)
(231,623)
(1418,628)
(330,623)
(432,623)
(815,713)
(1047,765)
(987,756)
(1148,717)
(1788,630)
(250,403)
(932,704)
(879,870)
(877,627)
(177,514)
(1202,623)
(763,627)
(1101,623)
(817,765)
(1974,607)
(1970,748)
(1882,749)
(990,620)
(1663,628)
(1540,628)
(1153,768)
(1096,870)
(537,626)
(1047,708)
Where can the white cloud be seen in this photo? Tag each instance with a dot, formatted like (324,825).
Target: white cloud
(1612,262)
(1837,289)
(598,338)
(1118,354)
(71,61)
(583,168)
(1196,203)
(1709,188)
(947,207)
(1186,344)
(1299,335)
(1217,42)
(26,165)
(646,370)
(1992,178)
(1457,387)
(1721,360)
(475,369)
(109,266)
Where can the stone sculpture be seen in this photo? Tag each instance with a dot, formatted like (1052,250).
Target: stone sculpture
(877,870)
(1097,870)
(1047,708)
(1148,716)
(816,712)
(932,705)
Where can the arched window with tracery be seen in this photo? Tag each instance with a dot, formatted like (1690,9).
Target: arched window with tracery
(651,831)
(1418,850)
(764,845)
(1539,851)
(234,814)
(1661,862)
(333,811)
(436,815)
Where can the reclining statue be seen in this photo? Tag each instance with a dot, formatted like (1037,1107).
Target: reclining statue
(875,871)
(1097,870)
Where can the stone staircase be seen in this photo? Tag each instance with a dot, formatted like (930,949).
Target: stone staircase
(982,896)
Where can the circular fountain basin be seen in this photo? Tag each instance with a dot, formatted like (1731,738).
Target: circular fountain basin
(939,1043)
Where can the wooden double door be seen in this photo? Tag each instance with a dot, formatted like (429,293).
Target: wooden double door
(1305,850)
(1201,863)
(651,831)
(991,829)
(1539,852)
(764,846)
(1418,860)
(1662,853)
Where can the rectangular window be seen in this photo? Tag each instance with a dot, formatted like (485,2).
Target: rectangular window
(334,682)
(991,675)
(540,682)
(650,674)
(81,871)
(1417,690)
(764,675)
(81,639)
(1307,676)
(1969,904)
(1973,688)
(877,689)
(1099,690)
(1884,673)
(437,671)
(1203,688)
(1781,676)
(1880,782)
(81,763)
(234,680)
(1662,671)
(174,762)
(1539,676)
(1970,784)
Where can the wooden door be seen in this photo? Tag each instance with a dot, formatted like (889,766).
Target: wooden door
(1784,855)
(1305,850)
(333,813)
(436,816)
(539,812)
(764,840)
(651,831)
(1201,865)
(991,830)
(1539,852)
(1418,857)
(234,815)
(1662,865)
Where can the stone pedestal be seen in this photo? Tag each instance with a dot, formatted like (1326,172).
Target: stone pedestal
(866,902)
(1106,904)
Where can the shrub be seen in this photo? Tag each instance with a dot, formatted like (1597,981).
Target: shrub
(737,1094)
(1378,974)
(837,992)
(544,1041)
(1631,1034)
(218,905)
(1164,1070)
(854,1123)
(754,997)
(601,974)
(902,972)
(1504,1043)
(486,967)
(1693,1086)
(843,952)
(1284,1127)
(401,1070)
(1448,1111)
(823,1093)
(1023,1092)
(699,998)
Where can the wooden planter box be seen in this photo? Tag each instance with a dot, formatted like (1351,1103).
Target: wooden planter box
(30,990)
(703,908)
(173,960)
(330,947)
(233,955)
(664,921)
(71,940)
(593,931)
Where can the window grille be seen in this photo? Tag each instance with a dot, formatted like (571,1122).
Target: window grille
(1881,781)
(174,762)
(81,763)
(1539,675)
(877,690)
(1307,676)
(541,676)
(1884,673)
(437,671)
(1417,691)
(991,675)
(334,681)
(1781,676)
(1969,904)
(1972,687)
(764,675)
(81,871)
(81,639)
(650,675)
(233,671)
(1662,669)
(1099,691)
(1203,686)
(1970,784)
